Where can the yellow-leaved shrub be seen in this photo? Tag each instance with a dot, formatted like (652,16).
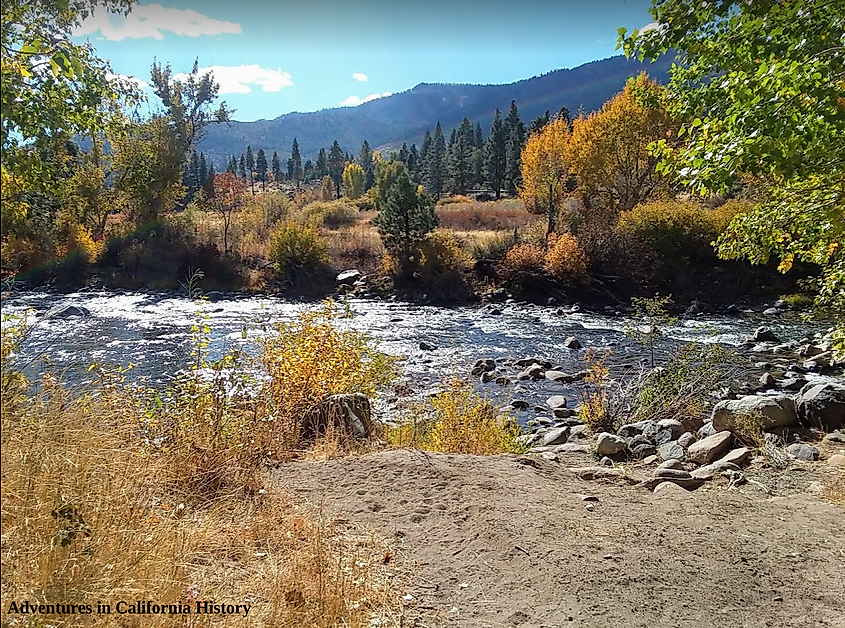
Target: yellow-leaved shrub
(311,358)
(459,421)
(522,258)
(565,259)
(296,249)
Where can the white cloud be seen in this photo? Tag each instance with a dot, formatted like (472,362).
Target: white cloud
(150,20)
(650,27)
(354,101)
(236,79)
(360,76)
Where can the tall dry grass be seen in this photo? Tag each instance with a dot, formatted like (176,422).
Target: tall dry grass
(113,493)
(504,215)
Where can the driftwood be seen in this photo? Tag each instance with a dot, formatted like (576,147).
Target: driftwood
(346,414)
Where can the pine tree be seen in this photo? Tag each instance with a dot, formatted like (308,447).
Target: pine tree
(307,169)
(242,167)
(191,176)
(202,174)
(232,166)
(336,164)
(495,156)
(276,166)
(405,218)
(403,153)
(413,162)
(322,163)
(539,122)
(515,130)
(261,168)
(250,167)
(460,158)
(297,162)
(365,160)
(478,156)
(435,163)
(424,149)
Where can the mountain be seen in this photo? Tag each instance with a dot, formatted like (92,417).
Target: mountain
(405,117)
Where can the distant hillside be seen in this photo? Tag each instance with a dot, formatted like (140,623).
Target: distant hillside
(407,116)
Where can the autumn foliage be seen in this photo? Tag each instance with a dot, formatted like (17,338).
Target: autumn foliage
(609,149)
(565,258)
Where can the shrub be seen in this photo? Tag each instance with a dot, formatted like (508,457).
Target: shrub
(440,264)
(491,244)
(296,249)
(522,259)
(78,242)
(94,509)
(462,422)
(662,244)
(332,214)
(566,260)
(310,358)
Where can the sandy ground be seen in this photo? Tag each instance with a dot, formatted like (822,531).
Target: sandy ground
(496,541)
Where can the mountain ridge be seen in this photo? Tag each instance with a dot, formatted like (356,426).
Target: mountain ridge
(405,116)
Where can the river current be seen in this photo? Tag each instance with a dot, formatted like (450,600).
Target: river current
(153,332)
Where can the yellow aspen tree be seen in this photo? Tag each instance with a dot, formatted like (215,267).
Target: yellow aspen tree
(609,149)
(545,170)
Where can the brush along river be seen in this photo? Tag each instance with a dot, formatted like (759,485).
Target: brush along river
(152,331)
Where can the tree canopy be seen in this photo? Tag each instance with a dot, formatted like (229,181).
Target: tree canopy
(760,88)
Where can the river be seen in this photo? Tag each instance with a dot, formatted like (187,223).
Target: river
(153,332)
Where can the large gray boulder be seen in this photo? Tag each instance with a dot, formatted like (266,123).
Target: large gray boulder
(768,412)
(349,415)
(711,448)
(822,405)
(608,444)
(67,311)
(347,277)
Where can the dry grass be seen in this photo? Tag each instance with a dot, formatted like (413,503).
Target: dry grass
(357,247)
(113,493)
(834,489)
(501,215)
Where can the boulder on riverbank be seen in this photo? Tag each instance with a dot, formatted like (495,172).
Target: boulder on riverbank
(769,412)
(349,415)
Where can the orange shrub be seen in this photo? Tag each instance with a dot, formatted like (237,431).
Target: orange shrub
(522,258)
(565,258)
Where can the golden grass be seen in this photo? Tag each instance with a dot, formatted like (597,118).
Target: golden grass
(115,493)
(501,215)
(357,247)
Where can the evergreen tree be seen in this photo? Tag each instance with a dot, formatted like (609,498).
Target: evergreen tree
(538,123)
(242,167)
(297,173)
(191,176)
(250,167)
(365,160)
(276,166)
(403,153)
(435,163)
(413,162)
(336,164)
(202,174)
(261,168)
(564,113)
(515,131)
(307,169)
(290,167)
(460,158)
(405,218)
(322,163)
(478,156)
(208,184)
(424,149)
(495,155)
(232,166)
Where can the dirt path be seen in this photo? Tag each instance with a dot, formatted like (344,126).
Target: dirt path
(491,541)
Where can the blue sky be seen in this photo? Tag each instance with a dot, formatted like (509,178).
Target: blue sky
(272,58)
